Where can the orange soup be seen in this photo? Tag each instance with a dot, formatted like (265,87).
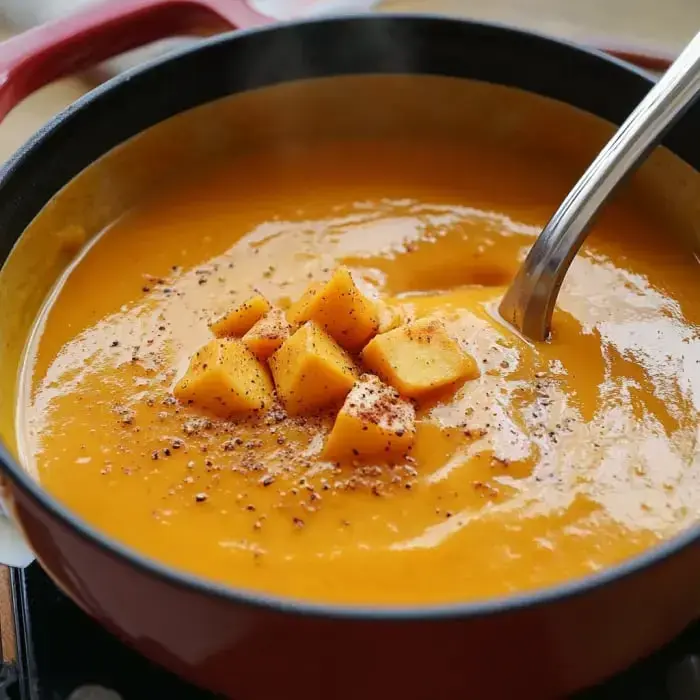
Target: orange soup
(544,463)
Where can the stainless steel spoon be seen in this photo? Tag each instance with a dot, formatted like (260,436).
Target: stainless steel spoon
(529,302)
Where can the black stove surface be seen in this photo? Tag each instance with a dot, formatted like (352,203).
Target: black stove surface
(65,655)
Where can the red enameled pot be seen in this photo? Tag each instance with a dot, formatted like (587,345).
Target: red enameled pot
(239,643)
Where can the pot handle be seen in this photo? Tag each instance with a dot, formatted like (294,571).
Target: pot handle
(654,64)
(45,53)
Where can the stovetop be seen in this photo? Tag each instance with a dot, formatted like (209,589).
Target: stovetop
(62,654)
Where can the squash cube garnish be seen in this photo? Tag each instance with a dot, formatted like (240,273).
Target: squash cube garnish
(340,308)
(297,310)
(267,335)
(373,422)
(311,371)
(240,319)
(418,358)
(225,378)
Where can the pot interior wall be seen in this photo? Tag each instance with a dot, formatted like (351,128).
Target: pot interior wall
(289,115)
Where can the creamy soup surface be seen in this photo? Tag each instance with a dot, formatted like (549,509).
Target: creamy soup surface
(560,459)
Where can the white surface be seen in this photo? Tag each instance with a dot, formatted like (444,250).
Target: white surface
(14,551)
(23,14)
(663,25)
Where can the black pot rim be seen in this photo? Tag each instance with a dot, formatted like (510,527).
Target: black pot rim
(22,480)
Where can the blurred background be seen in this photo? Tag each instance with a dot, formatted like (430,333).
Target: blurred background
(659,25)
(652,27)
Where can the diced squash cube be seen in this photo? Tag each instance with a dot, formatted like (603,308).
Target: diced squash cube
(418,358)
(311,371)
(240,319)
(373,422)
(340,308)
(225,378)
(297,311)
(268,334)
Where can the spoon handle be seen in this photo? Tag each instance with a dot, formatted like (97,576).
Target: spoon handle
(529,302)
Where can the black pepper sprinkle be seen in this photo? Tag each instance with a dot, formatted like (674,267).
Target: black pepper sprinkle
(200,497)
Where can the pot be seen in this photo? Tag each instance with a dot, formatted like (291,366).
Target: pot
(239,643)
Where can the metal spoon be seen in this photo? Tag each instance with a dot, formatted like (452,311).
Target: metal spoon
(529,302)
